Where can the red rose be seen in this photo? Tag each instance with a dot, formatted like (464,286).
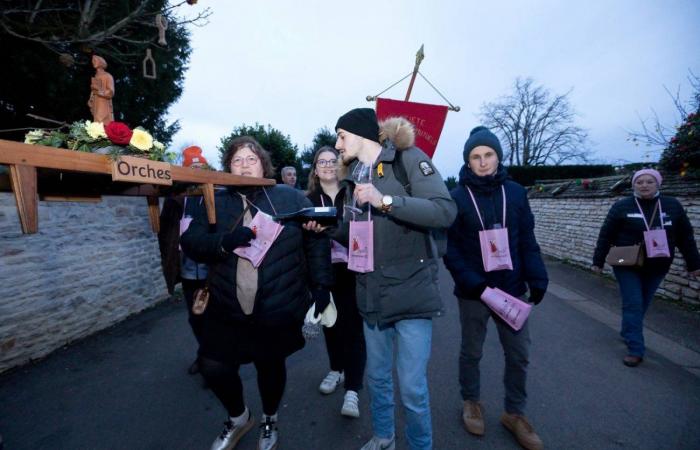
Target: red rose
(118,133)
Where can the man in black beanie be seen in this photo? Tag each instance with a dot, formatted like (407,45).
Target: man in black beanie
(400,297)
(487,200)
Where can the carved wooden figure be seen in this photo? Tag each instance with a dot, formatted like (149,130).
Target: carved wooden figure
(101,92)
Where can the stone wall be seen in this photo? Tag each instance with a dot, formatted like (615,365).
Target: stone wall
(90,266)
(567,229)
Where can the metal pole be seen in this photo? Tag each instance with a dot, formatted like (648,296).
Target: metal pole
(419,58)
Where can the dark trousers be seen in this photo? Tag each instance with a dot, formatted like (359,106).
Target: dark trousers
(196,322)
(474,316)
(637,288)
(223,379)
(345,340)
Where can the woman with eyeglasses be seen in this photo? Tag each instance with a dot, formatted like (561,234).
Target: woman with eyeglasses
(344,341)
(255,314)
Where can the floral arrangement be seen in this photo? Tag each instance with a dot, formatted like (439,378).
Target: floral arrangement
(115,139)
(682,154)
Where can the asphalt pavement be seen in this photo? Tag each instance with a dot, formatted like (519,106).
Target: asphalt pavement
(127,387)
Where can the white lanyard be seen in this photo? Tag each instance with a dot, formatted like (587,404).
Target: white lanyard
(503,191)
(661,214)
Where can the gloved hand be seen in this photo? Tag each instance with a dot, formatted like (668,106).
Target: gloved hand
(477,291)
(240,237)
(321,298)
(536,295)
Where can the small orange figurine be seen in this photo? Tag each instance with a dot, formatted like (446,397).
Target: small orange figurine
(101,92)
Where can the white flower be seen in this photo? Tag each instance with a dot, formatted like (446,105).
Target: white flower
(158,145)
(141,140)
(33,136)
(95,130)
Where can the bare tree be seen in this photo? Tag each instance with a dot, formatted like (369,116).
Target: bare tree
(92,24)
(536,126)
(653,132)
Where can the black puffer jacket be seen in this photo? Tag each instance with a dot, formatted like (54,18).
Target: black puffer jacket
(297,262)
(624,226)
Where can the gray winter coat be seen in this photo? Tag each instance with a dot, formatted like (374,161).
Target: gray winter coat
(404,282)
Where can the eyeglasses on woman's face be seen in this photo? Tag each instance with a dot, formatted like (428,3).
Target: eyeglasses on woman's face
(327,162)
(251,160)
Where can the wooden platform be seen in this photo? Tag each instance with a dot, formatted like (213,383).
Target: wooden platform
(37,171)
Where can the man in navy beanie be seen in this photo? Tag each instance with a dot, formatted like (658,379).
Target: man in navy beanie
(487,200)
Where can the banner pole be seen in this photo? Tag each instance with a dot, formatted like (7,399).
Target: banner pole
(419,58)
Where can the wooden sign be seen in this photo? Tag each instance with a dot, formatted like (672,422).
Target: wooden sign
(140,170)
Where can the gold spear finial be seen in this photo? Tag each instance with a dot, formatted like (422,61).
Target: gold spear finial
(420,56)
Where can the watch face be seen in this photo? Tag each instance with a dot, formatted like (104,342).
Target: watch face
(387,200)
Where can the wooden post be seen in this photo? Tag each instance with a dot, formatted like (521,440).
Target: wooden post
(24,186)
(419,58)
(154,213)
(208,193)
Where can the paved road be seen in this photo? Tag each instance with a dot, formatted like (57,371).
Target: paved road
(127,388)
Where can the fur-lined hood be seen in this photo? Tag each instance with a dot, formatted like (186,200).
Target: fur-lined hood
(399,131)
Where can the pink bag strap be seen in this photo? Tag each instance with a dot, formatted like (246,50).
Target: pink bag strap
(651,221)
(476,207)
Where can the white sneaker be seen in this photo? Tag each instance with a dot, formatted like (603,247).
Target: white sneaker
(331,382)
(377,443)
(268,433)
(351,407)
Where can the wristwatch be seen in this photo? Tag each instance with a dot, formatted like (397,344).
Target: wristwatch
(387,201)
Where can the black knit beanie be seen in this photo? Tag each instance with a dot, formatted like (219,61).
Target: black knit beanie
(360,121)
(482,136)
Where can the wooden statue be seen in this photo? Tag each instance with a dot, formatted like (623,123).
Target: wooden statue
(101,92)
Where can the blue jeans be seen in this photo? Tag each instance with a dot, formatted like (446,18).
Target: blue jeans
(412,338)
(474,316)
(637,288)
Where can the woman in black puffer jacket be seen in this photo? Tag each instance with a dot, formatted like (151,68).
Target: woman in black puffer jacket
(255,314)
(625,225)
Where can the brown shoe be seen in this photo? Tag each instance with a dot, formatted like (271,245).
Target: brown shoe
(632,361)
(473,418)
(522,430)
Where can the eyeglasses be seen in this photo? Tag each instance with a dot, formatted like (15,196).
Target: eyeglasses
(327,162)
(250,159)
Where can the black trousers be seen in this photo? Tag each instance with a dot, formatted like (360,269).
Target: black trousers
(223,379)
(196,322)
(345,340)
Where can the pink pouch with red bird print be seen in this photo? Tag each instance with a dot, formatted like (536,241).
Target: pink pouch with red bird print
(495,249)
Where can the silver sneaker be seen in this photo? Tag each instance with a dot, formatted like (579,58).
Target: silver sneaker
(332,381)
(377,443)
(231,434)
(268,435)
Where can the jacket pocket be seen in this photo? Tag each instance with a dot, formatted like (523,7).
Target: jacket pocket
(410,288)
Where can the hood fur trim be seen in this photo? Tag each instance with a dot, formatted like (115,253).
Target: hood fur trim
(399,131)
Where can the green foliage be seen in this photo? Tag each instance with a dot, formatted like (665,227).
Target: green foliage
(38,82)
(451,183)
(282,151)
(528,175)
(683,152)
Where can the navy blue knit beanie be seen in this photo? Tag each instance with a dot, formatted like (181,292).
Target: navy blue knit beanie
(360,121)
(482,136)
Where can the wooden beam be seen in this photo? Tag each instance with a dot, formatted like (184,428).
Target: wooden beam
(23,181)
(55,158)
(154,213)
(208,193)
(70,198)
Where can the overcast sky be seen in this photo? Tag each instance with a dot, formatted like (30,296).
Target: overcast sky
(299,65)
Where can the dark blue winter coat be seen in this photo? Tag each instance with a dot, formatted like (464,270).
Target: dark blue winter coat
(463,258)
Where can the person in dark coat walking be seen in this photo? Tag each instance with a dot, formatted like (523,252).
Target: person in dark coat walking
(255,314)
(175,216)
(626,223)
(487,199)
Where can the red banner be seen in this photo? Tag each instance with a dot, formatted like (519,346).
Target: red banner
(428,120)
